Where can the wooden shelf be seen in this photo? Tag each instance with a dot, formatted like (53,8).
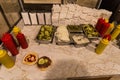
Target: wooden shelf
(42,1)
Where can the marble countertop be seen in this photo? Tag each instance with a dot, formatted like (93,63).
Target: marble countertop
(67,61)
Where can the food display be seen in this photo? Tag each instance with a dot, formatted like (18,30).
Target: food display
(90,31)
(62,35)
(74,28)
(44,62)
(30,58)
(80,40)
(45,34)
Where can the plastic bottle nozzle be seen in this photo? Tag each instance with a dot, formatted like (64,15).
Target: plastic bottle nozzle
(16,30)
(106,20)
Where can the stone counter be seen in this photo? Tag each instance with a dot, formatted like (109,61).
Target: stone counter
(67,61)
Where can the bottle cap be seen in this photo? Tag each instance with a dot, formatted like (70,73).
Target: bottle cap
(16,30)
(105,41)
(112,24)
(2,53)
(106,20)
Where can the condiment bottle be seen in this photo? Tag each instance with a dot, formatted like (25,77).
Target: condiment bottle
(110,28)
(105,27)
(20,37)
(22,40)
(9,43)
(115,33)
(15,32)
(99,24)
(101,46)
(5,59)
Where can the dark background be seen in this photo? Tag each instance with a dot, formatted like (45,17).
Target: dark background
(112,5)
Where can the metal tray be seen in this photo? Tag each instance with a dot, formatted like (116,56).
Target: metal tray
(90,31)
(45,41)
(74,28)
(77,45)
(58,42)
(62,42)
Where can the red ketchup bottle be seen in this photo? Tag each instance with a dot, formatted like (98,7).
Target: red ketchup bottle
(104,29)
(99,24)
(22,40)
(9,43)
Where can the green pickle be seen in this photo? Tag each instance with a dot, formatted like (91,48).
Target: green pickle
(40,37)
(48,38)
(45,60)
(42,29)
(41,61)
(90,31)
(45,32)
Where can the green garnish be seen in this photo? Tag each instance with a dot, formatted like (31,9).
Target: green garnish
(46,60)
(41,61)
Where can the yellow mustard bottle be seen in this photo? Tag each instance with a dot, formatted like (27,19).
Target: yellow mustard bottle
(101,46)
(115,33)
(5,59)
(16,30)
(110,28)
